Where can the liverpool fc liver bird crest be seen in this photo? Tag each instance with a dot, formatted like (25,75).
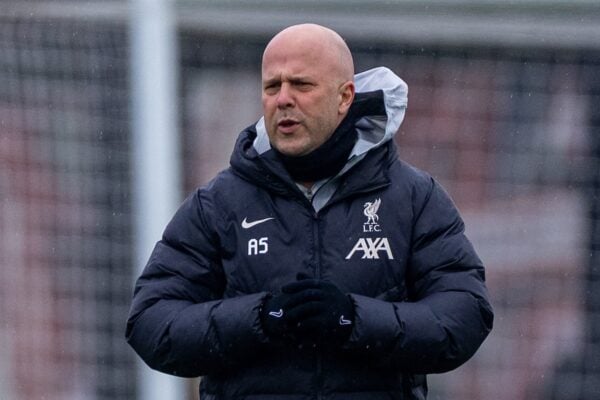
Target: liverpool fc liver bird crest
(371,211)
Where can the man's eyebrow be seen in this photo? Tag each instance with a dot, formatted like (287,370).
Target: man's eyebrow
(300,78)
(272,80)
(295,79)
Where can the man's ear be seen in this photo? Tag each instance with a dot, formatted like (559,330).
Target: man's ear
(346,96)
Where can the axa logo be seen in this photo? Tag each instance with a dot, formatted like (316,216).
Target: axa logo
(370,211)
(371,247)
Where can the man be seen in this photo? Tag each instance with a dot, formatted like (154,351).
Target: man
(319,265)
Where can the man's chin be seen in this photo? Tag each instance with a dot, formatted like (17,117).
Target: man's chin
(292,150)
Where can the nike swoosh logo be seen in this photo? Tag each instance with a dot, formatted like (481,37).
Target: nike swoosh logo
(345,321)
(246,224)
(277,314)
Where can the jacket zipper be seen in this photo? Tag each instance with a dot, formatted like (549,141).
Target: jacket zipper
(317,243)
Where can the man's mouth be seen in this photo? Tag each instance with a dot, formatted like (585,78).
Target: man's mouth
(287,125)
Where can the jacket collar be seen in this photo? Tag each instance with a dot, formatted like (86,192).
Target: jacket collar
(266,171)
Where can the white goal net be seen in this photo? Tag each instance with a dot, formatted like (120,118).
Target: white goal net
(65,229)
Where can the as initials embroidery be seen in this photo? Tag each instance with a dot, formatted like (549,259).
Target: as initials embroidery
(258,246)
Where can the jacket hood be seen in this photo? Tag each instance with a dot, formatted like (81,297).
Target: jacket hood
(373,130)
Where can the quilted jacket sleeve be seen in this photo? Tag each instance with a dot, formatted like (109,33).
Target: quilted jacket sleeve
(447,315)
(179,323)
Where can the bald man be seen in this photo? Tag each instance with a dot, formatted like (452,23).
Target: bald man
(318,265)
(307,80)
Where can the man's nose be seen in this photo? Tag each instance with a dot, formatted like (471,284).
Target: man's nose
(285,97)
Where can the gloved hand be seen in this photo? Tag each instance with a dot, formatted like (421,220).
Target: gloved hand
(273,317)
(318,311)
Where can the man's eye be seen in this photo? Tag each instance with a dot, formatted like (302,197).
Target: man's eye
(303,85)
(271,88)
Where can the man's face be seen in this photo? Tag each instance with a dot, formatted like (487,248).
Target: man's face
(301,98)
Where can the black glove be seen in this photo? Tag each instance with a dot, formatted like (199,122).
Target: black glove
(273,317)
(318,311)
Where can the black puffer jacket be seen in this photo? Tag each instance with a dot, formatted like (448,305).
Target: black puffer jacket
(388,235)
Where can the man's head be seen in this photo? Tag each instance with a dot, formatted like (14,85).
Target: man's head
(307,87)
